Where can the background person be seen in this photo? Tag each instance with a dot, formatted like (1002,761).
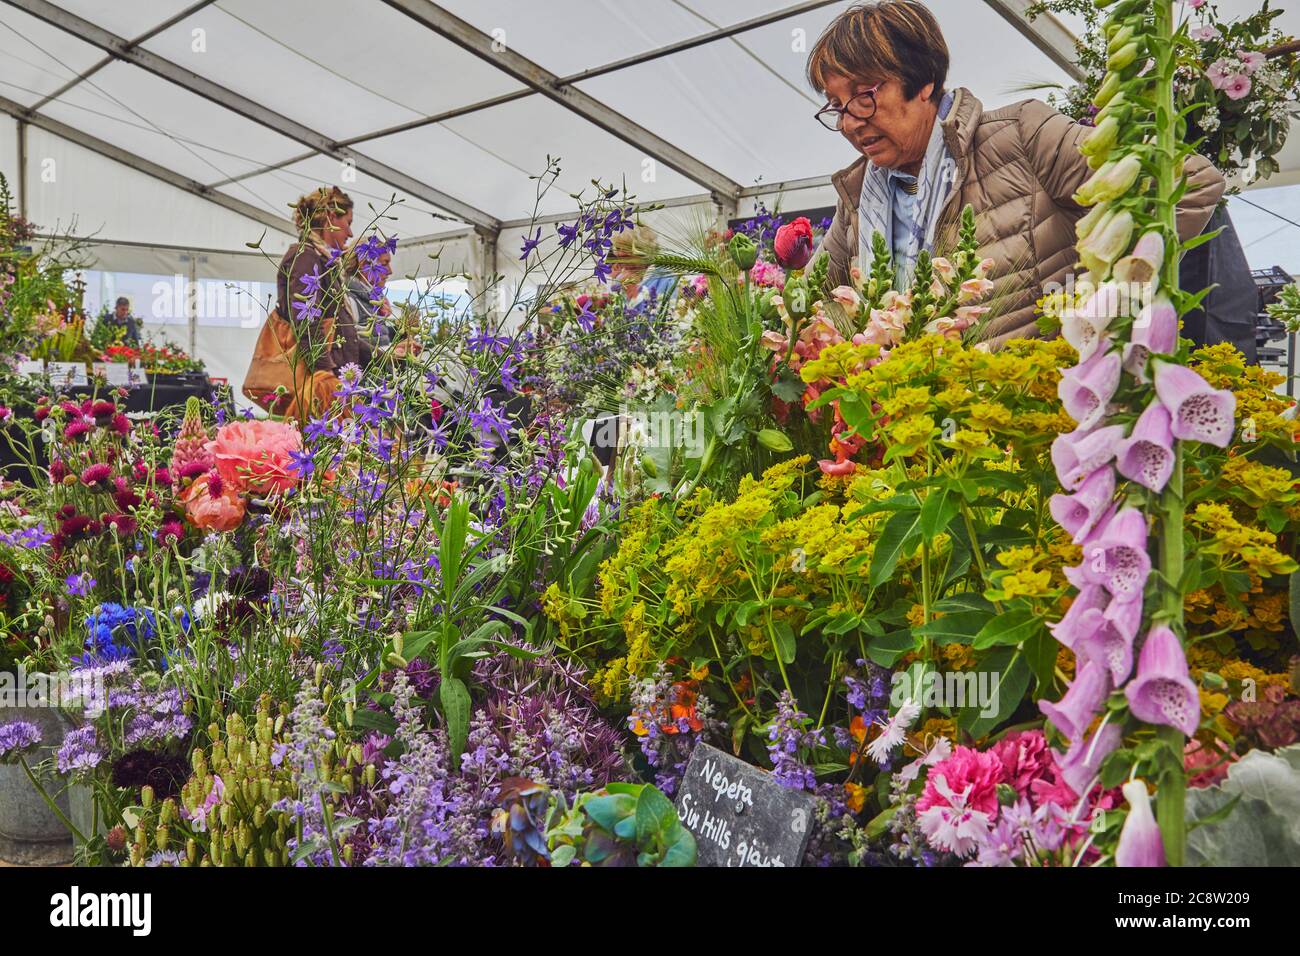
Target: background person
(927,152)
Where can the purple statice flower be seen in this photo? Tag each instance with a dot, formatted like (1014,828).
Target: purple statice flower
(79,753)
(79,585)
(17,736)
(788,737)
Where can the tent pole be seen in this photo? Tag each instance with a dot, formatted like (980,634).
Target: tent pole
(22,168)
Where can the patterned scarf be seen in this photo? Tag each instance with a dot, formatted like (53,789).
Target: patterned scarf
(876,204)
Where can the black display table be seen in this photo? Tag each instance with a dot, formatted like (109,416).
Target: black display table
(159,392)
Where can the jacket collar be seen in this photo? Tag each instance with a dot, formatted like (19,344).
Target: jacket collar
(958,134)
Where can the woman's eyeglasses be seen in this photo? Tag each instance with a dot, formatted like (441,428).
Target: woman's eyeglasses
(862,107)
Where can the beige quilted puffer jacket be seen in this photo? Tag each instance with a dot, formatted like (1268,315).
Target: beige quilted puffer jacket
(1017,167)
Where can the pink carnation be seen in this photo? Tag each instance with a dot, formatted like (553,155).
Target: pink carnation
(256,457)
(1025,757)
(967,767)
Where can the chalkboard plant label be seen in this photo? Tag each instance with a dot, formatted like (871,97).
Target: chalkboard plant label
(739,814)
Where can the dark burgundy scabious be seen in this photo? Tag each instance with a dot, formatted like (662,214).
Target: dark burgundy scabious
(66,512)
(103,412)
(72,409)
(77,428)
(165,773)
(121,424)
(58,471)
(162,477)
(251,583)
(215,484)
(97,475)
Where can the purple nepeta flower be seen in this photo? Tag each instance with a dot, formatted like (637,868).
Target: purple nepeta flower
(787,737)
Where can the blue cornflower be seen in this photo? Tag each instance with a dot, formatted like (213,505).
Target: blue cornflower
(531,244)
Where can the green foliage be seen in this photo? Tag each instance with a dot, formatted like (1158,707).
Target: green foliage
(622,825)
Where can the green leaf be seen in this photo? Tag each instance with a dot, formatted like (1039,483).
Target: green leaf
(898,535)
(886,650)
(1014,627)
(786,645)
(563,854)
(956,627)
(940,507)
(655,817)
(1011,688)
(607,811)
(1040,653)
(682,851)
(454,696)
(966,601)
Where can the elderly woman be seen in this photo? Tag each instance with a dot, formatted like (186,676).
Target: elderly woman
(927,152)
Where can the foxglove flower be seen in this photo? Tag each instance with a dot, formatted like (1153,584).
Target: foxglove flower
(1142,267)
(1079,513)
(1110,182)
(1155,331)
(1079,453)
(1080,764)
(1107,242)
(1162,692)
(1109,638)
(1072,714)
(1197,412)
(1147,455)
(1139,841)
(1077,622)
(1085,327)
(1117,558)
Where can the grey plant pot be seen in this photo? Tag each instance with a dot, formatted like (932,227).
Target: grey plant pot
(30,832)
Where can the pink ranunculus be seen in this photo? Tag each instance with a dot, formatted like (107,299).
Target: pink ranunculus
(256,457)
(767,274)
(1237,86)
(223,511)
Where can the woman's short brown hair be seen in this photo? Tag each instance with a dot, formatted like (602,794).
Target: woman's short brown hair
(892,39)
(310,210)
